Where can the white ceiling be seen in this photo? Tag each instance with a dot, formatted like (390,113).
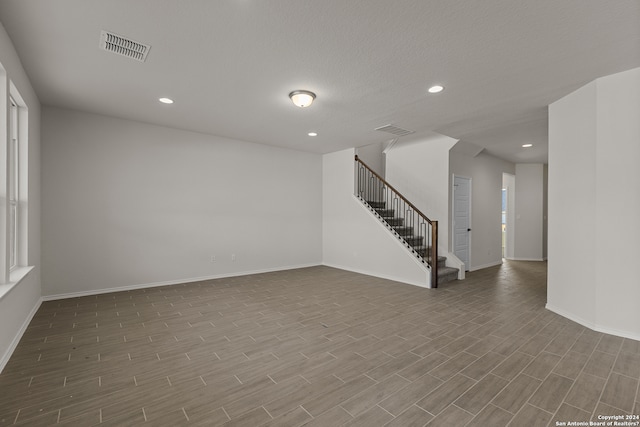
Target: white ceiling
(230,64)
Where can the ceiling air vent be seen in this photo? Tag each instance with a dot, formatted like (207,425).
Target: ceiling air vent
(123,46)
(395,130)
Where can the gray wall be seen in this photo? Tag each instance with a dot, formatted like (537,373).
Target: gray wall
(485,172)
(129,204)
(372,155)
(594,205)
(18,303)
(530,212)
(418,168)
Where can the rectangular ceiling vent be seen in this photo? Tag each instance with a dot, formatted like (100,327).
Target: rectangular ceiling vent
(123,46)
(395,130)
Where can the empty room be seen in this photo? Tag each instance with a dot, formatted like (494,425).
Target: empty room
(288,213)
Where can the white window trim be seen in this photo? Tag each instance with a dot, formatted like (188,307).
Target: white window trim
(15,277)
(13,178)
(14,258)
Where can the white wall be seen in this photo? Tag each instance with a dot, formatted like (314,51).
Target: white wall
(19,304)
(529,210)
(485,172)
(618,207)
(129,204)
(418,168)
(545,211)
(353,238)
(373,157)
(594,205)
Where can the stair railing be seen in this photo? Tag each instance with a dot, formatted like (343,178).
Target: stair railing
(415,229)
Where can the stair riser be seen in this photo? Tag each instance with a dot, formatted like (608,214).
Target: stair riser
(413,241)
(447,278)
(386,213)
(377,205)
(445,274)
(404,231)
(442,261)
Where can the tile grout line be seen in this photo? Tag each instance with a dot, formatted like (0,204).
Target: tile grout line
(578,376)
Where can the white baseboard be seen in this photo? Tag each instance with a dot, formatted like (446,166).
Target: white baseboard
(424,284)
(593,326)
(526,259)
(9,351)
(171,282)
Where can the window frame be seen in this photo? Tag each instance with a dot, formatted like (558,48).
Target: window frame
(13,178)
(14,186)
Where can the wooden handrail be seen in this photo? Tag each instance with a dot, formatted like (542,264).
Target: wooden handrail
(395,191)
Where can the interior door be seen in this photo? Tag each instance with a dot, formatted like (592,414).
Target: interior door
(462,219)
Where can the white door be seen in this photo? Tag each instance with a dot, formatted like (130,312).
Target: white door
(462,219)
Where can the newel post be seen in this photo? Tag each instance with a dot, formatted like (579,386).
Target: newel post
(434,254)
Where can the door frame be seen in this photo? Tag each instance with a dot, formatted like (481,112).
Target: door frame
(510,223)
(453,213)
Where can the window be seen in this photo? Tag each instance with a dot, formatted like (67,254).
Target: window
(13,178)
(14,203)
(14,175)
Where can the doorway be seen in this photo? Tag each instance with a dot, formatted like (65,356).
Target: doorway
(462,219)
(508,212)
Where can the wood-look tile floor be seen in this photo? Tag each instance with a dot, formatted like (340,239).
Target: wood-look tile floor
(319,347)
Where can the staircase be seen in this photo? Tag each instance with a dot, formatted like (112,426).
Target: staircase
(412,241)
(412,227)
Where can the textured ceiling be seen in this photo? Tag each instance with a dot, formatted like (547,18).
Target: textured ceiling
(230,64)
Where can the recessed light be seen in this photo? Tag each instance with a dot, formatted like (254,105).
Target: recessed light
(436,89)
(313,134)
(527,145)
(166,100)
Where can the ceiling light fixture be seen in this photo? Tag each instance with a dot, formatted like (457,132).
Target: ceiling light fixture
(436,89)
(313,134)
(302,98)
(527,145)
(166,100)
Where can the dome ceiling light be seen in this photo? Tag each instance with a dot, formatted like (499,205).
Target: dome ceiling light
(302,98)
